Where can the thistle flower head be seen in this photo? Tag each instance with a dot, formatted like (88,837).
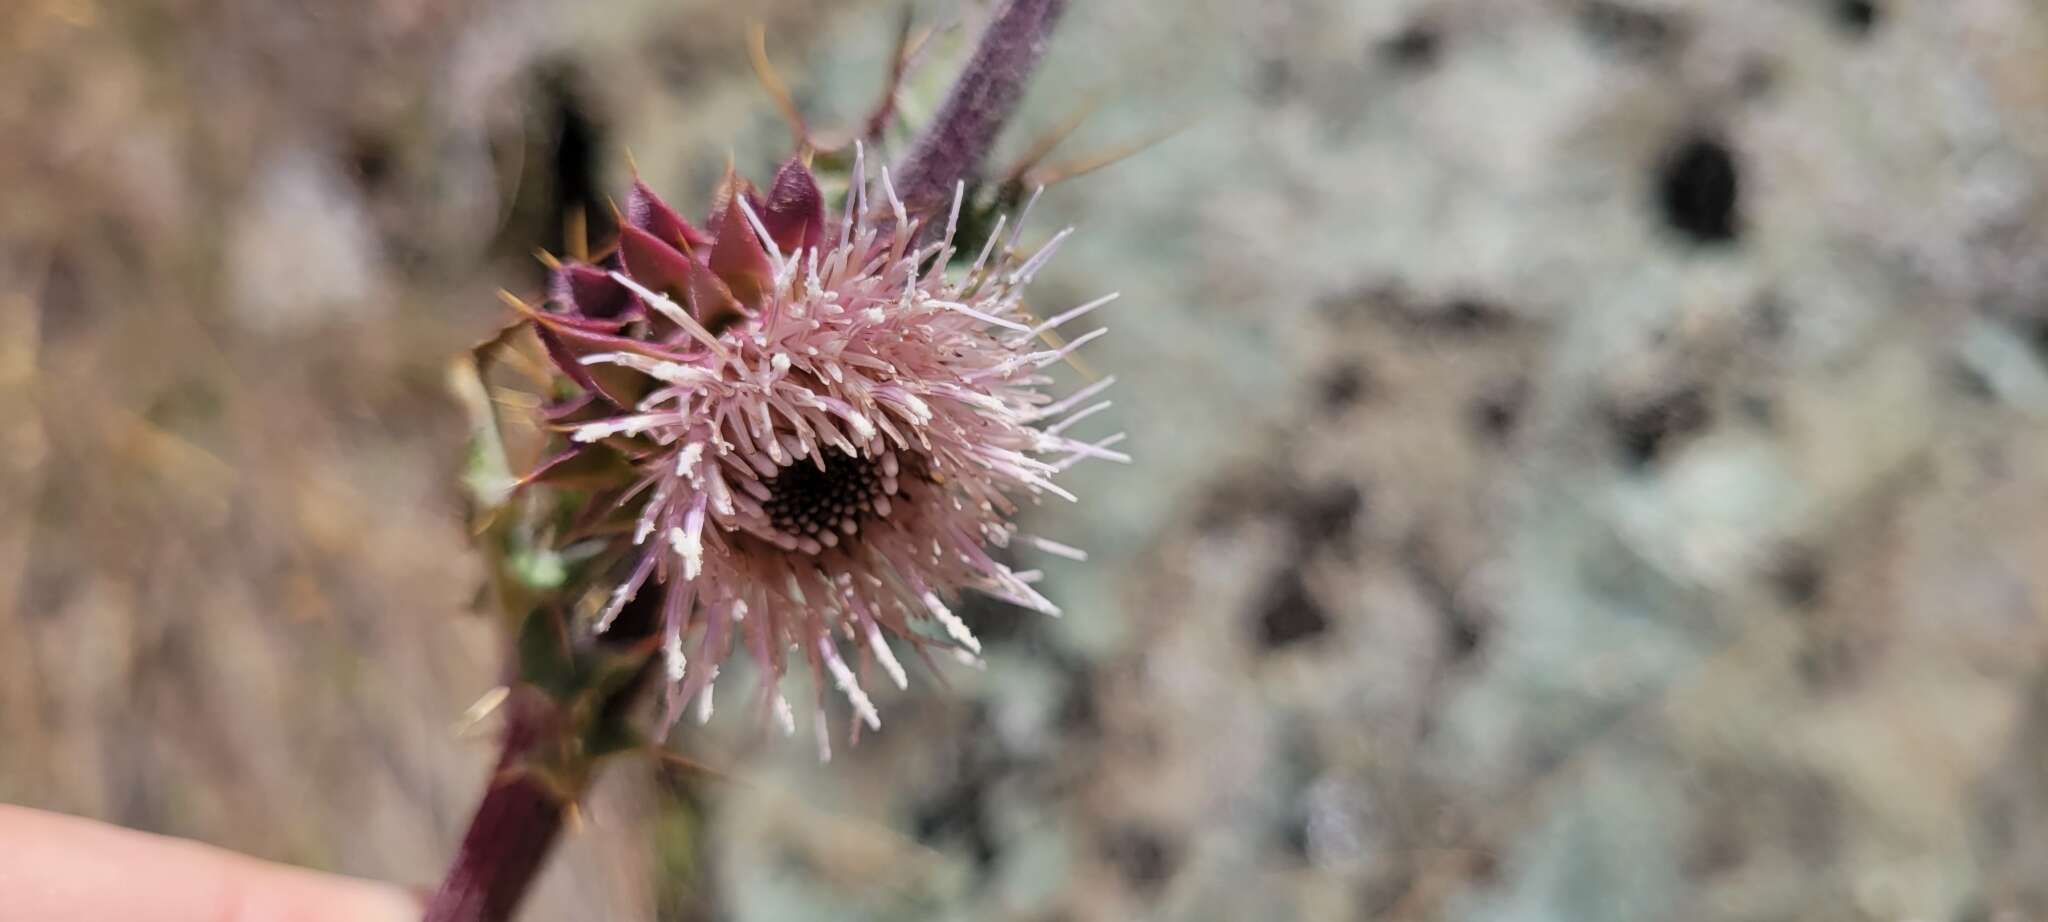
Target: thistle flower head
(826,428)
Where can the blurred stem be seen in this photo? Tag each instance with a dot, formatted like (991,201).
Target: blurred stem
(959,138)
(551,750)
(516,824)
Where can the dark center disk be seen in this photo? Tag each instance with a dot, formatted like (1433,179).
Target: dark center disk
(804,501)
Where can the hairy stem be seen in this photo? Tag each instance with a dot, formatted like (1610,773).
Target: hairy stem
(982,99)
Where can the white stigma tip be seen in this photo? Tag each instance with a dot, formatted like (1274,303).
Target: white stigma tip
(690,546)
(955,628)
(704,698)
(686,460)
(672,656)
(1057,549)
(849,686)
(784,717)
(886,656)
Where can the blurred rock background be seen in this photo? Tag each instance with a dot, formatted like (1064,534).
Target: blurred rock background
(1591,456)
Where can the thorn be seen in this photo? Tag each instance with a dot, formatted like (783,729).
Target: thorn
(1055,340)
(473,718)
(877,122)
(1051,140)
(1076,168)
(685,763)
(576,234)
(764,70)
(515,302)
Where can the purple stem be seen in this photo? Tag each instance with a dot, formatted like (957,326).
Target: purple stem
(508,839)
(982,99)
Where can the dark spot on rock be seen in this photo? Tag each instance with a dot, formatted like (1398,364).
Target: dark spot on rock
(958,815)
(1769,319)
(1626,29)
(1144,856)
(1758,408)
(1758,77)
(45,590)
(66,311)
(1495,412)
(1857,17)
(1325,517)
(1798,579)
(1243,496)
(1715,847)
(1343,386)
(1078,715)
(1415,48)
(1469,315)
(1645,432)
(371,160)
(1697,187)
(1484,867)
(1459,316)
(959,812)
(1293,836)
(1287,612)
(1380,895)
(1465,636)
(2034,330)
(1827,661)
(1813,819)
(1969,380)
(1464,626)
(1274,79)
